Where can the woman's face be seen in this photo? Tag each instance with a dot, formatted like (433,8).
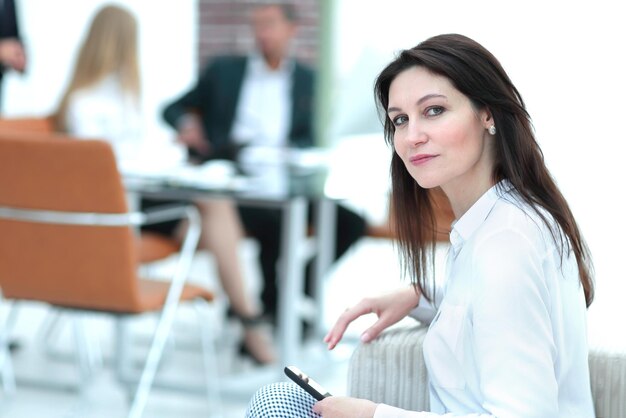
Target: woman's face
(441,138)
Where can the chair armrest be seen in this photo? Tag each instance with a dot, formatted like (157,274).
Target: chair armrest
(177,211)
(607,368)
(166,213)
(391,369)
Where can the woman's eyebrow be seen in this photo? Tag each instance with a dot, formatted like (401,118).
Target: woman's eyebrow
(430,96)
(419,102)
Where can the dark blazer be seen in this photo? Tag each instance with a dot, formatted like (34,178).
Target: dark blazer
(8,24)
(216,95)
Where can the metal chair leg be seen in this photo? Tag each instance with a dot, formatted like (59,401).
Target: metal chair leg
(151,365)
(6,364)
(49,330)
(122,349)
(87,350)
(209,354)
(6,369)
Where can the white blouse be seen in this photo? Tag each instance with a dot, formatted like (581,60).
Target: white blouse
(105,111)
(509,338)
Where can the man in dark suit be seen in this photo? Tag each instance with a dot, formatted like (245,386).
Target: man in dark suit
(12,54)
(263,99)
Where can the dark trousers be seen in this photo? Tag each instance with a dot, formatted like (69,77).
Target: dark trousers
(264,224)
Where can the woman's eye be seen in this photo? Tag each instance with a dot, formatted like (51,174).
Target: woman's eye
(434,111)
(399,120)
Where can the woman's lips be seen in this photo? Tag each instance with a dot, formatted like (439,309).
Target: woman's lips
(421,159)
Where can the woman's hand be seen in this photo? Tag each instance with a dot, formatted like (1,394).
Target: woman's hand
(344,407)
(389,308)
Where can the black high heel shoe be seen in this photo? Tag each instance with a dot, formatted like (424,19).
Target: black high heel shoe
(252,323)
(245,352)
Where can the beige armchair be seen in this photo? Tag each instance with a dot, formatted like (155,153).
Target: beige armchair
(391,370)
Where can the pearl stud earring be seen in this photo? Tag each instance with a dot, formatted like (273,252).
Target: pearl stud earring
(492,130)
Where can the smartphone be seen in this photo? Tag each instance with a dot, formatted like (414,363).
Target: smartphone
(306,383)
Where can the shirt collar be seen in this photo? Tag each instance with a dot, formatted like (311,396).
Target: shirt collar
(464,227)
(258,65)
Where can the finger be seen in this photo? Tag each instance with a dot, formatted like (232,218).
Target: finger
(337,331)
(318,407)
(335,334)
(375,330)
(333,338)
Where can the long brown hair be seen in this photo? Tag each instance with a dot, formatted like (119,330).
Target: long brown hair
(110,48)
(477,74)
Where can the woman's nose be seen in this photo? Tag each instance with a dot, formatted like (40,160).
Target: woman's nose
(416,134)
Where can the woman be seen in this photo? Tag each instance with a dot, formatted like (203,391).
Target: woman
(102,101)
(508,330)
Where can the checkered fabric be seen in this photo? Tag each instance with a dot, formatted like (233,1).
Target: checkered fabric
(281,400)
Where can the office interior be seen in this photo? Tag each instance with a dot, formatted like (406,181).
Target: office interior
(565,57)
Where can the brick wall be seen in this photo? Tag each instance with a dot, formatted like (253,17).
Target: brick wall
(224,28)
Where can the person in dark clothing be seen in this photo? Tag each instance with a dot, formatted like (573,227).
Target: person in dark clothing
(263,99)
(12,55)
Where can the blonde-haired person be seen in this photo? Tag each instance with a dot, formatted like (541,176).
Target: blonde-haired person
(102,101)
(102,98)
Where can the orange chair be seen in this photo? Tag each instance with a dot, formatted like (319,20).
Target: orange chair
(28,124)
(68,240)
(151,246)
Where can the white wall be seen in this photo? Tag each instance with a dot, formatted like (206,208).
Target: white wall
(53,31)
(567,58)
